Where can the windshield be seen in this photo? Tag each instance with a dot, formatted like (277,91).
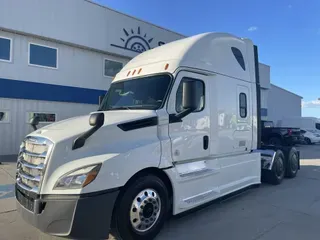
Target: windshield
(141,93)
(318,126)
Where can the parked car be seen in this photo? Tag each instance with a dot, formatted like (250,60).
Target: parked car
(279,136)
(310,136)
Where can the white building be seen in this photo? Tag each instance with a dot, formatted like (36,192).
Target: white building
(57,57)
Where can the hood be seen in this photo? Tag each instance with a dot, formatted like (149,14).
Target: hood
(77,125)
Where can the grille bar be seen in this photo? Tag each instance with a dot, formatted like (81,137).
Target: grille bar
(29,177)
(27,188)
(42,155)
(31,163)
(31,166)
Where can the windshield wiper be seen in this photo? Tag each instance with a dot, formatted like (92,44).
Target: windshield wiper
(119,108)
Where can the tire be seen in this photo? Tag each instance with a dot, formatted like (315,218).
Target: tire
(308,141)
(278,170)
(292,165)
(130,220)
(275,141)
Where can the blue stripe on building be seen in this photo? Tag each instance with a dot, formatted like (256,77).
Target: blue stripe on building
(48,92)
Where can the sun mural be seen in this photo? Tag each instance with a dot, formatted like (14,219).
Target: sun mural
(135,41)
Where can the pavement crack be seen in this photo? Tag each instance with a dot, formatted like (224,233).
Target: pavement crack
(13,178)
(268,230)
(287,209)
(8,211)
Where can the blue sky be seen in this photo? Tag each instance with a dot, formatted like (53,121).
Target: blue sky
(287,33)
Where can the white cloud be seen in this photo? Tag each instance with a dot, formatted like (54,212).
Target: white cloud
(311,104)
(252,29)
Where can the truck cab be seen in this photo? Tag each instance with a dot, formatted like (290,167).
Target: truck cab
(179,127)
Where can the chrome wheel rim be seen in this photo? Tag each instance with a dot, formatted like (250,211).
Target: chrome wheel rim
(145,210)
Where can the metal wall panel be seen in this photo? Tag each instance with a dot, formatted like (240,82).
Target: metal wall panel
(12,133)
(83,23)
(76,67)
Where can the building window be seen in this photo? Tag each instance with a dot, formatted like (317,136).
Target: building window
(43,117)
(5,49)
(111,68)
(238,55)
(43,56)
(243,105)
(4,116)
(200,95)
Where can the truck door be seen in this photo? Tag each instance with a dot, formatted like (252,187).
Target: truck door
(190,137)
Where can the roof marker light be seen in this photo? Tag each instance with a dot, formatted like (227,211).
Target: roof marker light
(139,70)
(134,72)
(166,67)
(128,73)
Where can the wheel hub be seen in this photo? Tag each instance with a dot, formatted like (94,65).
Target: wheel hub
(145,210)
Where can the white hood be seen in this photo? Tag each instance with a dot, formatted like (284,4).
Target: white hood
(77,125)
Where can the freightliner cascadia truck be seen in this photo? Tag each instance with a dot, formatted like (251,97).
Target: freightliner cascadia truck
(179,126)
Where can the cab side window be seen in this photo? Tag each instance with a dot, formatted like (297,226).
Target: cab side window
(200,95)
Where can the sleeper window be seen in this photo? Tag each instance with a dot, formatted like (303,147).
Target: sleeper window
(243,105)
(200,95)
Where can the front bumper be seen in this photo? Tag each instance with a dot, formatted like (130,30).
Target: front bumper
(72,216)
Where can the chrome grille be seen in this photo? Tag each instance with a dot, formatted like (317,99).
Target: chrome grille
(31,163)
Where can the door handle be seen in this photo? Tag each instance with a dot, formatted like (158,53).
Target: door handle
(205,142)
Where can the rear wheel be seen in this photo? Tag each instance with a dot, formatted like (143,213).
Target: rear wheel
(142,209)
(292,163)
(277,173)
(275,141)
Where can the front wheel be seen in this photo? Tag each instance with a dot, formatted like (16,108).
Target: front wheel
(142,209)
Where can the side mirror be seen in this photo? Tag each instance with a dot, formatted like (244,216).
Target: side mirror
(34,122)
(189,95)
(96,119)
(189,100)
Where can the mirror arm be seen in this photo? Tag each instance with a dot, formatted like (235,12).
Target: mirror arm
(173,118)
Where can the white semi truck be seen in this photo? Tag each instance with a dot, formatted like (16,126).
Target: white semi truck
(179,127)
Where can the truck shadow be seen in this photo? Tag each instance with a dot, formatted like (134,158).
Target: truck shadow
(250,212)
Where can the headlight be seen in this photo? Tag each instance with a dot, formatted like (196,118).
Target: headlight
(78,178)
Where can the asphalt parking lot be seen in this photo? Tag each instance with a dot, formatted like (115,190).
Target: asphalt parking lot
(288,211)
